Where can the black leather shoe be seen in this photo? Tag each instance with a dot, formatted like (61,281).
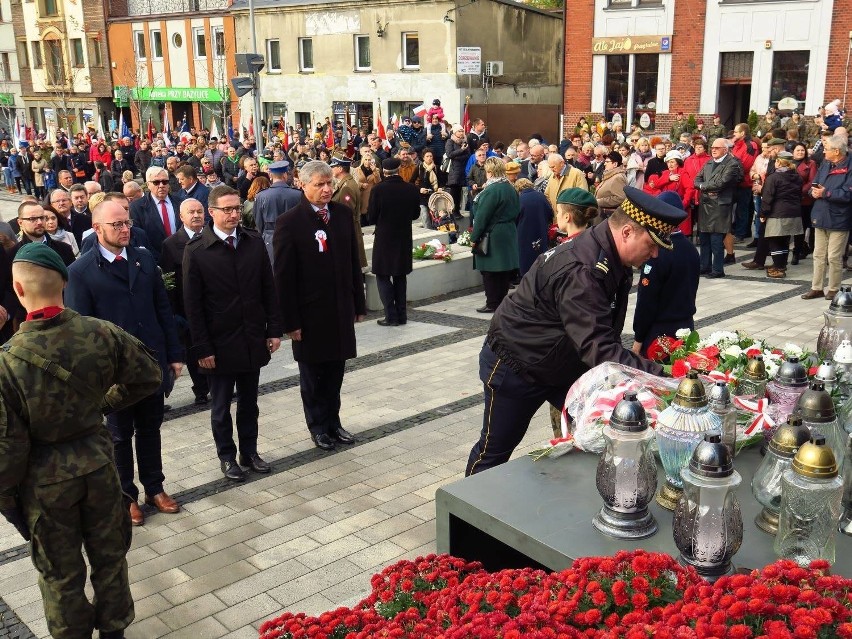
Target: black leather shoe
(714,275)
(384,322)
(255,463)
(111,634)
(484,309)
(752,244)
(730,259)
(323,441)
(233,471)
(200,400)
(343,435)
(794,260)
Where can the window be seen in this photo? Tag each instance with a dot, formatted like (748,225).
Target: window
(200,43)
(617,84)
(55,63)
(410,50)
(156,44)
(631,89)
(177,40)
(47,8)
(139,45)
(23,55)
(273,56)
(790,76)
(362,53)
(218,42)
(77,52)
(306,54)
(95,56)
(37,63)
(645,89)
(5,67)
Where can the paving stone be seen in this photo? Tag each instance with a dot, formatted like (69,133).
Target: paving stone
(208,583)
(150,606)
(157,583)
(378,553)
(217,560)
(296,589)
(388,528)
(162,563)
(207,628)
(236,536)
(263,581)
(286,551)
(237,615)
(149,628)
(195,610)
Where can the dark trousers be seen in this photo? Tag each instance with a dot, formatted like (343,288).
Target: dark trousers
(779,249)
(221,394)
(200,386)
(320,384)
(712,252)
(455,191)
(141,422)
(742,217)
(799,246)
(496,284)
(510,403)
(392,290)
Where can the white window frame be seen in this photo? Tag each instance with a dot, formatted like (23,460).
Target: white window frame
(72,45)
(405,64)
(159,33)
(269,67)
(357,46)
(139,39)
(196,32)
(215,33)
(302,66)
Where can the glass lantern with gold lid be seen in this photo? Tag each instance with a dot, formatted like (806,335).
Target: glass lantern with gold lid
(754,378)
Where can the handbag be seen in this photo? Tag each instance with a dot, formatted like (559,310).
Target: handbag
(445,165)
(481,247)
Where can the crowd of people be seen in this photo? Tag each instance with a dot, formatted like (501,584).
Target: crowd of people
(207,252)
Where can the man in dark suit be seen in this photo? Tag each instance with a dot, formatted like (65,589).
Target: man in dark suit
(394,205)
(31,223)
(187,177)
(232,308)
(321,290)
(157,212)
(122,284)
(81,216)
(171,261)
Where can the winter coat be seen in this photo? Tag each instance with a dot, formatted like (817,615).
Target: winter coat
(497,209)
(610,192)
(717,183)
(691,167)
(782,194)
(394,205)
(833,211)
(533,223)
(38,167)
(746,152)
(458,156)
(807,170)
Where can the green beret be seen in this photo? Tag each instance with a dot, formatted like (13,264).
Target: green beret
(776,142)
(577,197)
(41,254)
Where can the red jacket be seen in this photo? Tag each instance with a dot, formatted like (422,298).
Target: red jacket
(105,157)
(691,168)
(807,170)
(740,151)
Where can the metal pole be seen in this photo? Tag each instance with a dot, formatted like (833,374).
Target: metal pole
(258,130)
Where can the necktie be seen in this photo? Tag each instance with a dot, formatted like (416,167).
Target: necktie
(167,226)
(230,241)
(323,213)
(118,258)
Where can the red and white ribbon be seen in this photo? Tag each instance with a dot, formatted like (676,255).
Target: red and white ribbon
(719,376)
(762,419)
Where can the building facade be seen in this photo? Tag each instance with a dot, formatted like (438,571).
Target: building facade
(11,102)
(62,61)
(646,60)
(355,61)
(172,59)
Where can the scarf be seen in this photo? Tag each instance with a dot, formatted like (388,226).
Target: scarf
(489,182)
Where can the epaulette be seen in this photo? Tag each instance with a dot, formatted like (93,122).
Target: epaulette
(603,263)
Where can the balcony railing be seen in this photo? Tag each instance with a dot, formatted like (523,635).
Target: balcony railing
(127,8)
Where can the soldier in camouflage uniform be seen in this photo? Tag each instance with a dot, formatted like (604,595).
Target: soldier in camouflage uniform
(58,483)
(347,191)
(716,130)
(679,126)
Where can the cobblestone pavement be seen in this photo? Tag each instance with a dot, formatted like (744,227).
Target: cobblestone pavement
(309,536)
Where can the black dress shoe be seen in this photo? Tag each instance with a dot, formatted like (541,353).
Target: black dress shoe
(255,463)
(232,470)
(713,276)
(752,244)
(704,271)
(795,260)
(384,322)
(200,400)
(730,259)
(343,435)
(323,441)
(111,634)
(484,309)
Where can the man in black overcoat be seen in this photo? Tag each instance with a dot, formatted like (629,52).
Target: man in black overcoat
(394,205)
(232,307)
(321,290)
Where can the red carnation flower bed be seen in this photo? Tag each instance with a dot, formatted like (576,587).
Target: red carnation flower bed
(632,595)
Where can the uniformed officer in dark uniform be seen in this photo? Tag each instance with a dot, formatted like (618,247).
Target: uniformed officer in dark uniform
(272,202)
(565,317)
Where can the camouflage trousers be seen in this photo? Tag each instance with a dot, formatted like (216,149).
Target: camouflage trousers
(84,512)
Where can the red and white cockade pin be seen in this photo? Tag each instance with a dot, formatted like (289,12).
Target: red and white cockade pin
(321,238)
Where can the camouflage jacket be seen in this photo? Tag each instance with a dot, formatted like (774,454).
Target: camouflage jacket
(48,432)
(678,128)
(715,131)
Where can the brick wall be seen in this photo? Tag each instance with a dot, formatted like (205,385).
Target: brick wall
(101,79)
(20,30)
(838,48)
(687,56)
(579,18)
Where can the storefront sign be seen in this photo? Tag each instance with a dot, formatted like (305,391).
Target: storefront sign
(632,44)
(784,104)
(167,94)
(468,60)
(7,99)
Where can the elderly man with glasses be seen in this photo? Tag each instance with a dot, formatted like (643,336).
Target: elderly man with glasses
(831,216)
(157,212)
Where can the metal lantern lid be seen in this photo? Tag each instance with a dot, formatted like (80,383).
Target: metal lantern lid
(841,303)
(843,354)
(790,437)
(711,457)
(815,459)
(629,415)
(690,392)
(720,394)
(816,404)
(755,369)
(792,373)
(826,371)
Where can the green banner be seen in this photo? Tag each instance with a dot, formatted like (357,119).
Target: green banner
(7,99)
(123,95)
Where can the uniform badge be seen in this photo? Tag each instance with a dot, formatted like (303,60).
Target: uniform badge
(645,281)
(321,238)
(647,269)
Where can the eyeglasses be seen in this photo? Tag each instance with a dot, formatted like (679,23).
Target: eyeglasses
(229,210)
(35,218)
(119,225)
(159,182)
